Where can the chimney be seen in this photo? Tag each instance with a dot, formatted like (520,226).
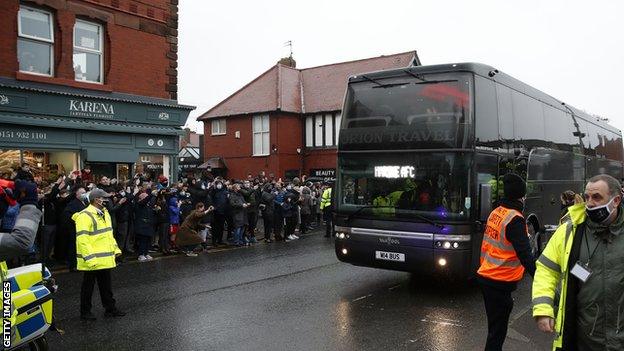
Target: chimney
(288,61)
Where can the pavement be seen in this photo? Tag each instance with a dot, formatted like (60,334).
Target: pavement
(283,296)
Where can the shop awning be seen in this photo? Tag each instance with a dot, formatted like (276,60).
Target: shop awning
(214,162)
(112,155)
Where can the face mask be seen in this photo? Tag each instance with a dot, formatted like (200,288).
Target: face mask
(122,193)
(84,197)
(182,193)
(289,187)
(219,186)
(599,214)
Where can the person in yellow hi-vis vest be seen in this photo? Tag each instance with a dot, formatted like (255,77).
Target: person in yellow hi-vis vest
(24,232)
(326,207)
(96,249)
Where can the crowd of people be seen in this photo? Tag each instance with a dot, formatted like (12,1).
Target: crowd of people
(151,215)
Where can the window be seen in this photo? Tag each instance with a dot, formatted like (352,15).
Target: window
(218,127)
(88,52)
(486,128)
(338,119)
(261,135)
(318,130)
(309,135)
(528,117)
(505,116)
(35,42)
(322,130)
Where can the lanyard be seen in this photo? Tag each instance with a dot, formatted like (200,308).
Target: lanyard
(593,252)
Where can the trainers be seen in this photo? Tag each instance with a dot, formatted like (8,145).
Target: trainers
(142,258)
(191,254)
(295,237)
(87,316)
(149,258)
(114,313)
(291,237)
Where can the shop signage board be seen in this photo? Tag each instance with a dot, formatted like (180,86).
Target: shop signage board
(33,136)
(84,107)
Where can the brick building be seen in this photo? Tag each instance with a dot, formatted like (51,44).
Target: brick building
(89,82)
(287,120)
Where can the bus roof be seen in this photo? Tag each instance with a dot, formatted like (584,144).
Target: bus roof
(492,74)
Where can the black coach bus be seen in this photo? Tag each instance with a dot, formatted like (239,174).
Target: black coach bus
(421,156)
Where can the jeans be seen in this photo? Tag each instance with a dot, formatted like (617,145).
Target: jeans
(48,233)
(238,235)
(163,234)
(144,244)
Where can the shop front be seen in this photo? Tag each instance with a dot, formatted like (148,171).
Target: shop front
(57,130)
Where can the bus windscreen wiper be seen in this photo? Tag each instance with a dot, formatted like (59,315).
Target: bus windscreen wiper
(382,85)
(356,212)
(421,217)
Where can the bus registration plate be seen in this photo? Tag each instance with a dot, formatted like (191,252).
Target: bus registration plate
(390,256)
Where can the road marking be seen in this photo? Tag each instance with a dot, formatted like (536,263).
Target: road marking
(442,322)
(362,298)
(394,287)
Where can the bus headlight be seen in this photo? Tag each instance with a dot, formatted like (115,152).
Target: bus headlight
(446,245)
(340,235)
(442,262)
(344,251)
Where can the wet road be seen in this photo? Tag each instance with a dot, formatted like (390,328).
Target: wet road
(282,296)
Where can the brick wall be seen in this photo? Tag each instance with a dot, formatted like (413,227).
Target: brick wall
(140,44)
(285,136)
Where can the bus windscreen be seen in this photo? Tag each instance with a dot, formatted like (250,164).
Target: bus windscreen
(435,185)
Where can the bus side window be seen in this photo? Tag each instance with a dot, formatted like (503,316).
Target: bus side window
(505,114)
(486,115)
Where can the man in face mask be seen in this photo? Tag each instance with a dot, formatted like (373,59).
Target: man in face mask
(585,256)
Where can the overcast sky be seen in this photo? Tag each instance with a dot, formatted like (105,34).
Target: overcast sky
(572,50)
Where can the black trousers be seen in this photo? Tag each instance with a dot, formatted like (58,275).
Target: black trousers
(327,216)
(252,219)
(498,306)
(268,225)
(103,277)
(217,228)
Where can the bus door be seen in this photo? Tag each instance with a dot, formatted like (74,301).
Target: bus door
(488,189)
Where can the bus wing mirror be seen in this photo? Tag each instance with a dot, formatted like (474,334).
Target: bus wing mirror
(485,199)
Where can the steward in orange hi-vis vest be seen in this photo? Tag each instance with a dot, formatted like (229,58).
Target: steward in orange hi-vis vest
(498,257)
(505,255)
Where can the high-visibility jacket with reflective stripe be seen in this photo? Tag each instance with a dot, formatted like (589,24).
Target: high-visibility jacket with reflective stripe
(552,270)
(95,244)
(326,198)
(499,260)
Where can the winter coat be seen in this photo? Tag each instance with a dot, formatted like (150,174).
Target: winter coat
(174,211)
(268,203)
(239,213)
(220,201)
(289,206)
(188,232)
(587,315)
(68,224)
(251,197)
(305,202)
(198,194)
(144,217)
(162,214)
